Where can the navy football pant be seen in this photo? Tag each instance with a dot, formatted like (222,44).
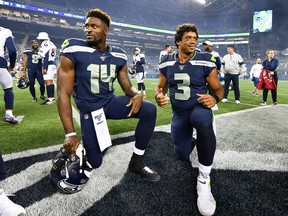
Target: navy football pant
(235,80)
(116,109)
(182,126)
(32,76)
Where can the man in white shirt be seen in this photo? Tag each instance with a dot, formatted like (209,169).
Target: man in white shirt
(47,51)
(167,49)
(255,74)
(232,67)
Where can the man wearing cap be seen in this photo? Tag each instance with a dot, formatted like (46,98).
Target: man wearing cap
(47,52)
(138,63)
(208,47)
(33,65)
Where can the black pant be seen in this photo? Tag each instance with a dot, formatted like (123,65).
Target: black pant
(273,92)
(235,80)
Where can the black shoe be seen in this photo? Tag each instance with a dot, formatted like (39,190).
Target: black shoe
(34,99)
(146,173)
(49,102)
(43,97)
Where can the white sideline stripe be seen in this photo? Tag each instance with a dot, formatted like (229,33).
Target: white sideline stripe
(76,115)
(29,176)
(248,161)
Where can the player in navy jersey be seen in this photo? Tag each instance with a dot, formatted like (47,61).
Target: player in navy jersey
(187,73)
(87,70)
(32,65)
(139,63)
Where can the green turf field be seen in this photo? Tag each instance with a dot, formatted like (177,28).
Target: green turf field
(41,125)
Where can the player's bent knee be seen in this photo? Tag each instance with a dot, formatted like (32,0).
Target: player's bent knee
(148,110)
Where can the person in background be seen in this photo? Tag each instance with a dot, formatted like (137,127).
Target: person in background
(233,66)
(139,63)
(167,50)
(187,74)
(7,41)
(47,52)
(208,47)
(88,68)
(33,66)
(271,64)
(254,75)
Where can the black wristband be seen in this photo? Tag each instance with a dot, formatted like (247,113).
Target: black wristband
(216,98)
(156,96)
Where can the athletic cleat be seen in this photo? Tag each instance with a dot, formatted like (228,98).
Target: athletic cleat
(48,102)
(275,104)
(224,100)
(205,202)
(34,99)
(144,97)
(237,102)
(263,103)
(10,119)
(215,107)
(147,173)
(7,207)
(43,97)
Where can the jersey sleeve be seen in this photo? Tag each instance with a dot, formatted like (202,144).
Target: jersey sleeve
(67,50)
(12,51)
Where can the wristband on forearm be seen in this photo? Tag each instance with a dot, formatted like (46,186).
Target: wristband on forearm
(216,98)
(70,134)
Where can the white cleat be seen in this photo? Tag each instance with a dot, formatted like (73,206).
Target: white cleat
(224,100)
(9,208)
(205,202)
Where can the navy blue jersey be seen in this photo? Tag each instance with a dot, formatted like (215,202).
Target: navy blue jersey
(95,72)
(139,62)
(187,79)
(34,63)
(270,65)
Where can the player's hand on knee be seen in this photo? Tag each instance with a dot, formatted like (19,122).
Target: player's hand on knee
(206,100)
(136,103)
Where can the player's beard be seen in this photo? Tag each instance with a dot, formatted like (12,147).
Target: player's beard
(94,43)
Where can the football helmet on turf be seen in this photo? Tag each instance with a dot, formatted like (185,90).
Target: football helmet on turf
(131,70)
(70,173)
(23,83)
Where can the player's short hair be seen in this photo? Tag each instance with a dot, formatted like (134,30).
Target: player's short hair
(231,46)
(167,46)
(186,27)
(98,13)
(33,41)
